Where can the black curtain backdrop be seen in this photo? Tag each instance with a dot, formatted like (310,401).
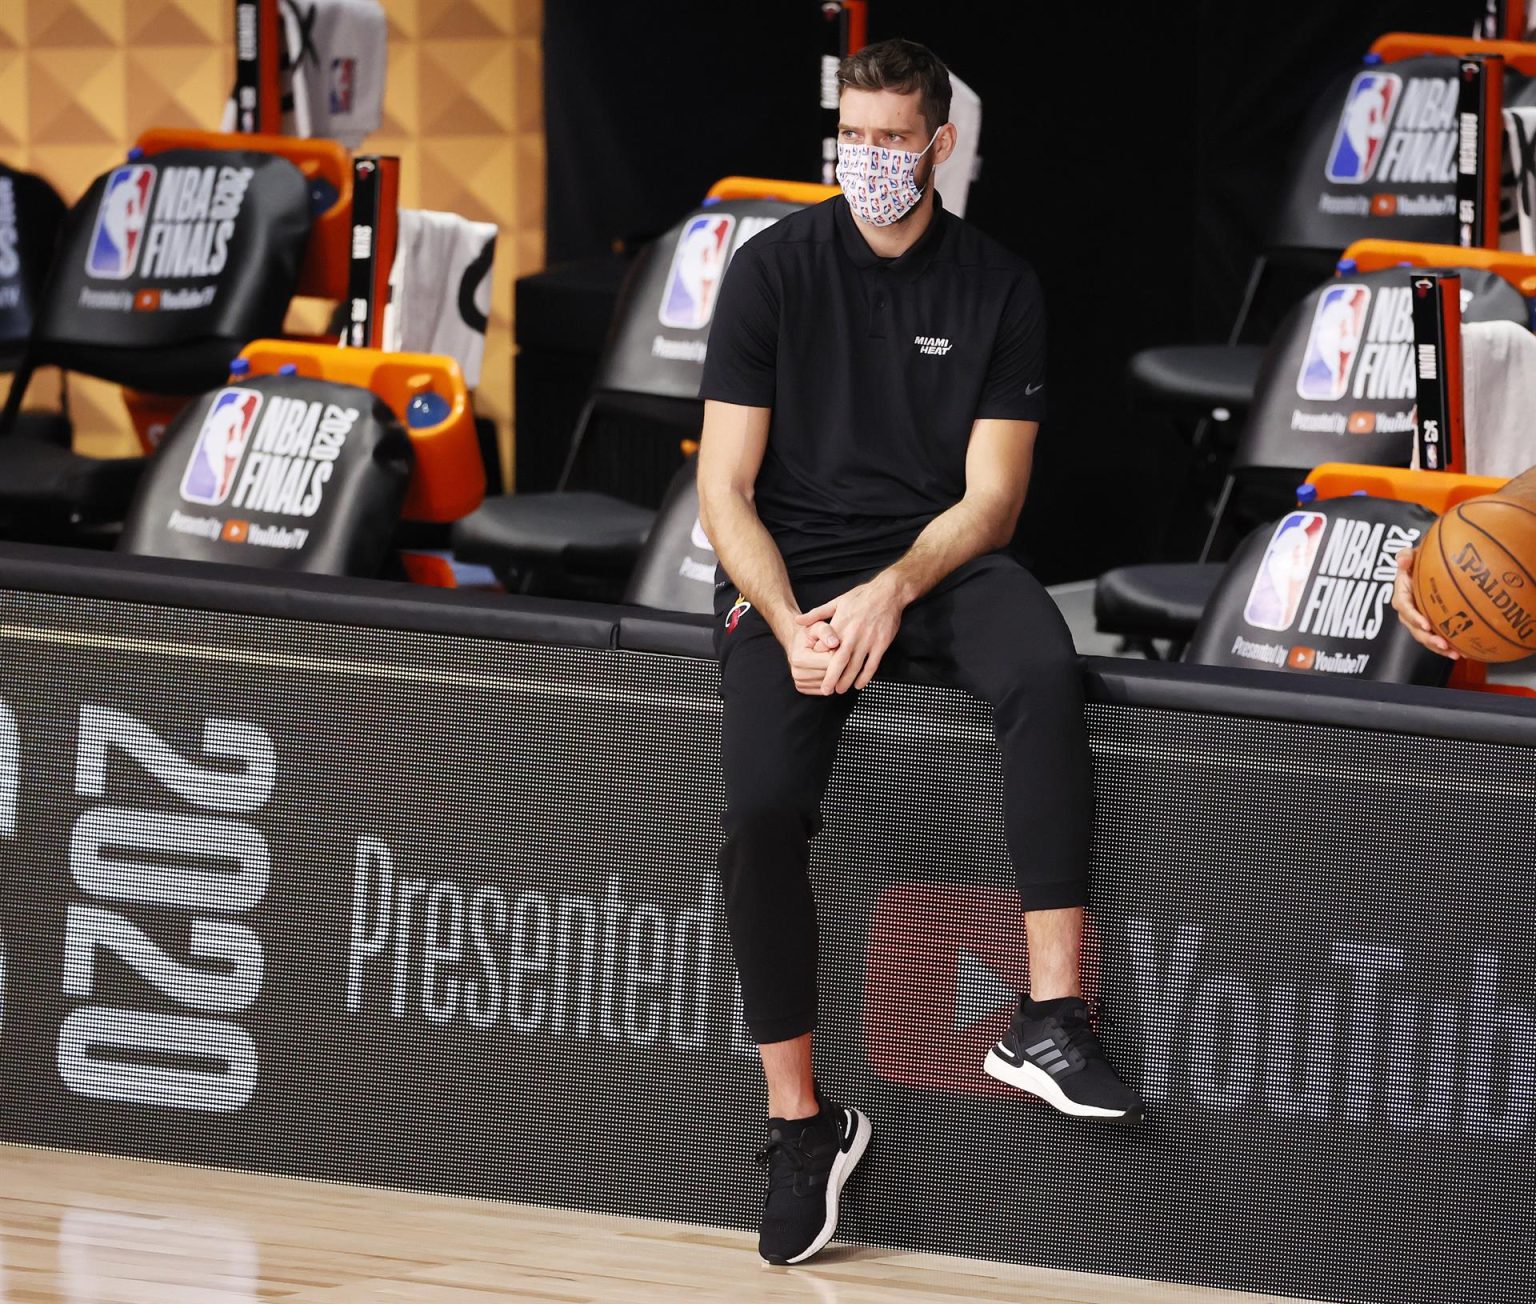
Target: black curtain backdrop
(1132,152)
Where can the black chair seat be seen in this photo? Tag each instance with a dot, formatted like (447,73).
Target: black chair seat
(43,481)
(675,571)
(1202,376)
(45,426)
(1155,601)
(566,531)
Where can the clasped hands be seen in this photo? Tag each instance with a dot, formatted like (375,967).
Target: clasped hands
(839,645)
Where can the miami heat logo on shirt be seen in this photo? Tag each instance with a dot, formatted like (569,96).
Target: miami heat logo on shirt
(220,445)
(120,222)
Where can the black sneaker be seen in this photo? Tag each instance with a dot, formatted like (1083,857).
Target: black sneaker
(808,1160)
(1052,1052)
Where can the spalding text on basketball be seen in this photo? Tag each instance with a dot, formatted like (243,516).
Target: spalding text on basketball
(1514,613)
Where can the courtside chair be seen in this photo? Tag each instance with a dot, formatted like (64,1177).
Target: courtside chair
(1343,146)
(636,428)
(1345,184)
(45,488)
(1248,605)
(1308,381)
(195,297)
(676,567)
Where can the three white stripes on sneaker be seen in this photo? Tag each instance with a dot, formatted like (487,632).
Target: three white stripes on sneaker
(1052,1062)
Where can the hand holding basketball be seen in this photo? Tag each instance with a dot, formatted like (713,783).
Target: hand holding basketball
(1416,622)
(1474,580)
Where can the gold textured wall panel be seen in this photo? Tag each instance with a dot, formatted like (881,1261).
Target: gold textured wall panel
(80,79)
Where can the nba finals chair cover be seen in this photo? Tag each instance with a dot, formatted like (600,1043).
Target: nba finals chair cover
(283,472)
(625,450)
(675,574)
(676,568)
(170,264)
(165,268)
(1378,159)
(39,476)
(1312,594)
(1498,358)
(31,213)
(1337,385)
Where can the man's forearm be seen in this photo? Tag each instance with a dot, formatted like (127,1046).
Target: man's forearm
(947,542)
(752,560)
(1522,488)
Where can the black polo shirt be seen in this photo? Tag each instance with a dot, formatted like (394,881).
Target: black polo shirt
(875,369)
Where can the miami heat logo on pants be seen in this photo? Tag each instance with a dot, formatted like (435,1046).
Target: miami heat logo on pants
(733,617)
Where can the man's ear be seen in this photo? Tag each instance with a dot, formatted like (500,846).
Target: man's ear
(944,144)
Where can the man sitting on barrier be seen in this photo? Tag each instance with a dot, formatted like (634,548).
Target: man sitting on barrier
(874,385)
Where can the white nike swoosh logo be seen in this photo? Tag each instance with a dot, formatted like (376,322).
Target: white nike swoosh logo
(1030,389)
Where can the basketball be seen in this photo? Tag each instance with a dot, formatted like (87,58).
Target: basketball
(1475,579)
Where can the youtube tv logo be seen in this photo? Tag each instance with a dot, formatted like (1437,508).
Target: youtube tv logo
(943,973)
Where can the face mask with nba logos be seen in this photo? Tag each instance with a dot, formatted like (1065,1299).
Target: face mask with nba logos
(880,185)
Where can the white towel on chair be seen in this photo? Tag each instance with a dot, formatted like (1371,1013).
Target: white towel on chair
(953,177)
(1520,170)
(1499,371)
(335,57)
(440,288)
(342,64)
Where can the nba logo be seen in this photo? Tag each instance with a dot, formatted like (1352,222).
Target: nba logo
(343,78)
(1337,328)
(1282,579)
(220,444)
(698,264)
(1363,126)
(120,222)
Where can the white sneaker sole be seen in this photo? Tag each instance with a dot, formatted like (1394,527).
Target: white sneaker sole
(842,1169)
(1036,1081)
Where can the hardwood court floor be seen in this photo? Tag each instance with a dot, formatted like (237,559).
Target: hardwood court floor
(93,1230)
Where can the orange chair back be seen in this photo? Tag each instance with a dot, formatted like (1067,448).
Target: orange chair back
(1374,255)
(1409,45)
(326,261)
(449,479)
(790,192)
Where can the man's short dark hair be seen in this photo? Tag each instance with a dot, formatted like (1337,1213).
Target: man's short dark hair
(904,66)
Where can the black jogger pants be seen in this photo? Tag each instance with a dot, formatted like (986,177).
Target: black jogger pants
(989,628)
